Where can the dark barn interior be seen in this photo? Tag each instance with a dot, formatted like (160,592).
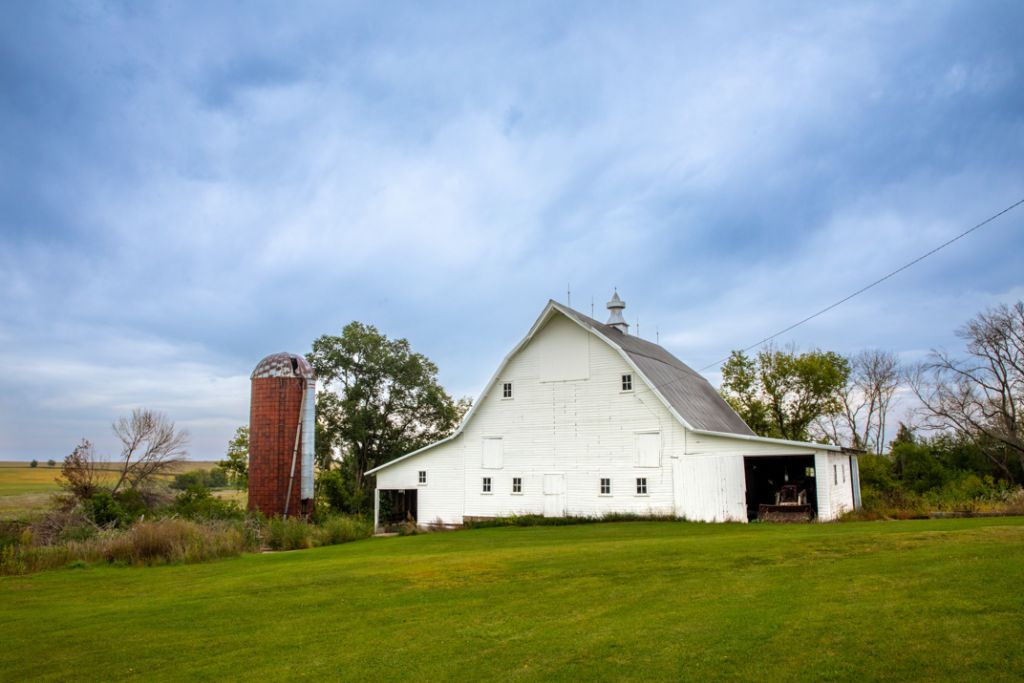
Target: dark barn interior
(780,484)
(397,505)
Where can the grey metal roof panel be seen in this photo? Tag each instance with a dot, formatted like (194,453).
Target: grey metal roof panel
(687,391)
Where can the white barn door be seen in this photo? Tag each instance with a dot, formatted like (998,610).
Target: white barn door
(554,495)
(710,489)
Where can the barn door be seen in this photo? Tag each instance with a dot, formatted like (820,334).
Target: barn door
(554,495)
(709,489)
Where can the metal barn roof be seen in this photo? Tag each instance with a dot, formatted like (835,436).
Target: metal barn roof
(687,392)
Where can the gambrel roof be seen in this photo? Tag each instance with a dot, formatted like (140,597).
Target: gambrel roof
(687,395)
(686,391)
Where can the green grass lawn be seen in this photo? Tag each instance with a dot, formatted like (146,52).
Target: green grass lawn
(919,600)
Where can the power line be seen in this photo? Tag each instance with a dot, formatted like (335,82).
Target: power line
(876,282)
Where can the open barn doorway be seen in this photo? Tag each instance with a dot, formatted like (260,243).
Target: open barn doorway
(397,506)
(781,488)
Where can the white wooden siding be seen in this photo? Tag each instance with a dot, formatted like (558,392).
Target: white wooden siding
(833,498)
(442,496)
(570,418)
(710,488)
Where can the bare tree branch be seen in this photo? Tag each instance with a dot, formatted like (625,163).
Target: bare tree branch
(151,446)
(981,396)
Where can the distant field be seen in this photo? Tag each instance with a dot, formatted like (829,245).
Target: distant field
(18,478)
(881,601)
(25,489)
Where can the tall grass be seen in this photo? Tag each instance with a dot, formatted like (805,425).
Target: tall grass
(175,540)
(295,534)
(145,543)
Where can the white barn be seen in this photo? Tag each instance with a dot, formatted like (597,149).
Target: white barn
(582,418)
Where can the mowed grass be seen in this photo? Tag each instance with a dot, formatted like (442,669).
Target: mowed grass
(918,600)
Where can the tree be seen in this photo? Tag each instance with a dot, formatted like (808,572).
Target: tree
(781,393)
(51,463)
(236,461)
(865,400)
(982,395)
(81,473)
(151,446)
(34,463)
(380,400)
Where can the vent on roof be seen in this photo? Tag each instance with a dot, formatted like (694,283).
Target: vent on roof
(615,319)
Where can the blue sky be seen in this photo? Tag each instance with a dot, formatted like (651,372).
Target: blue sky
(186,188)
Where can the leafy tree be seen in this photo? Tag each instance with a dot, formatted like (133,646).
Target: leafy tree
(781,393)
(51,463)
(34,463)
(380,400)
(236,462)
(81,473)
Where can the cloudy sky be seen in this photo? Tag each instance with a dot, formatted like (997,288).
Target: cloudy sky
(187,187)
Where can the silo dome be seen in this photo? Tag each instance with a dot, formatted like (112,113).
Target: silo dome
(283,364)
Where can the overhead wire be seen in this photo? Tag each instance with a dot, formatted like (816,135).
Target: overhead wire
(865,288)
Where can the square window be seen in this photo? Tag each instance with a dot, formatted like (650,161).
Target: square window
(506,390)
(641,486)
(606,487)
(487,485)
(809,471)
(627,382)
(517,485)
(423,477)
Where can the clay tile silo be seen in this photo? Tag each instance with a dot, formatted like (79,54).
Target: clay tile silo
(281,428)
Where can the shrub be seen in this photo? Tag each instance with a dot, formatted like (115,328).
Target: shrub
(214,478)
(342,494)
(296,534)
(68,523)
(187,480)
(104,510)
(197,503)
(288,534)
(342,529)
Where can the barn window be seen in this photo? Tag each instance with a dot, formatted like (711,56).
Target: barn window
(493,454)
(648,449)
(606,487)
(835,473)
(844,473)
(423,476)
(506,390)
(627,382)
(809,471)
(517,484)
(487,485)
(641,486)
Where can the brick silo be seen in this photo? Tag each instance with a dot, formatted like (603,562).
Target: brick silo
(281,431)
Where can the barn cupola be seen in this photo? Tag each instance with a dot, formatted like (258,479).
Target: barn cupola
(615,318)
